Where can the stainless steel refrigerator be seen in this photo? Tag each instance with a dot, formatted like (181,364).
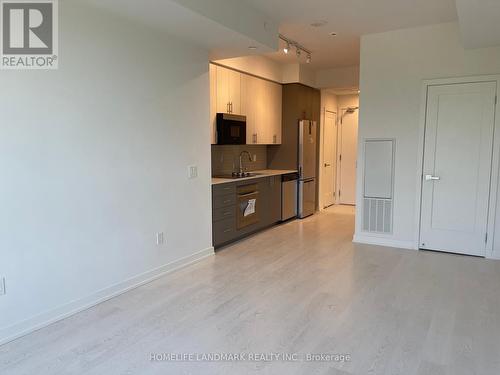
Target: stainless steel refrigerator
(307,168)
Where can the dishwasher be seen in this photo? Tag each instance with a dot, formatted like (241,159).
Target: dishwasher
(289,198)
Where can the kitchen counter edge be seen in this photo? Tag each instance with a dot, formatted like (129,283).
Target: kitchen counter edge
(262,174)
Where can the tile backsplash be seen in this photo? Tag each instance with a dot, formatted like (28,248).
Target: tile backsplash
(225,159)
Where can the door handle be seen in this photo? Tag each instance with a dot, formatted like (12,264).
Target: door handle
(429,177)
(327,165)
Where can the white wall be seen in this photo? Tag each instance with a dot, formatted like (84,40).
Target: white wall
(94,162)
(307,76)
(393,67)
(345,101)
(291,73)
(343,78)
(262,66)
(259,66)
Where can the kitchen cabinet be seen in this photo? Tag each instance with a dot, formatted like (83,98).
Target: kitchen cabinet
(271,188)
(228,91)
(275,112)
(299,102)
(225,206)
(213,103)
(261,104)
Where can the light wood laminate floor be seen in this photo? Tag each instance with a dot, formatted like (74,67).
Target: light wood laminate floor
(302,287)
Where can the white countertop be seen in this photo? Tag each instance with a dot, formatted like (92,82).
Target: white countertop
(261,174)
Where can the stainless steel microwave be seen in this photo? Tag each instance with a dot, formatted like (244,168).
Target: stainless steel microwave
(231,129)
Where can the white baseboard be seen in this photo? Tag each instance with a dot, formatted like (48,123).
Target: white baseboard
(383,241)
(494,255)
(44,319)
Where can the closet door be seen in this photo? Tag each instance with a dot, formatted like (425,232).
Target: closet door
(457,167)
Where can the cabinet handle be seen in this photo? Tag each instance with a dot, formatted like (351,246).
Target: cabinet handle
(255,138)
(227,213)
(227,230)
(231,106)
(274,138)
(227,201)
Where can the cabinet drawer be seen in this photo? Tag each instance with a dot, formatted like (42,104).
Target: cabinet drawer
(224,200)
(222,189)
(224,231)
(223,213)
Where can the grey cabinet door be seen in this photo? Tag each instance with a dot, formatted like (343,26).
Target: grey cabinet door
(271,194)
(275,199)
(224,231)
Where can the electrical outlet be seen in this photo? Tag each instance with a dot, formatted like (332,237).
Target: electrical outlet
(192,171)
(254,157)
(2,286)
(160,238)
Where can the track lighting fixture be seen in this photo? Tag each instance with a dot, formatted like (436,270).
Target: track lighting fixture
(298,48)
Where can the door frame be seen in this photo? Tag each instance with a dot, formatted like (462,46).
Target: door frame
(495,162)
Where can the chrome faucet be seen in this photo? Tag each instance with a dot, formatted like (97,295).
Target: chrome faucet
(241,162)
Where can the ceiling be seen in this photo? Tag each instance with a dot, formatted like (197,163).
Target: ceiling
(208,24)
(349,19)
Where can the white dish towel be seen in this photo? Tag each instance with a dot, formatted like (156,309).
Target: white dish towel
(250,209)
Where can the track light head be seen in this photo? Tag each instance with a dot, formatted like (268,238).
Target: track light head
(308,60)
(298,52)
(286,48)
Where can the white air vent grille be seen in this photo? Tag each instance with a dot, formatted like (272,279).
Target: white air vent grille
(378,182)
(377,215)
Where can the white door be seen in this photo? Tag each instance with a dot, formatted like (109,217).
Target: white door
(348,152)
(457,167)
(329,158)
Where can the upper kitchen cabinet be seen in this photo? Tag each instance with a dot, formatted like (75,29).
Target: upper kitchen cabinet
(242,94)
(250,94)
(275,112)
(213,102)
(228,91)
(261,104)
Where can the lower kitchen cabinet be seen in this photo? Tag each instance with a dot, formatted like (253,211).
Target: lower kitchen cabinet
(271,188)
(226,206)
